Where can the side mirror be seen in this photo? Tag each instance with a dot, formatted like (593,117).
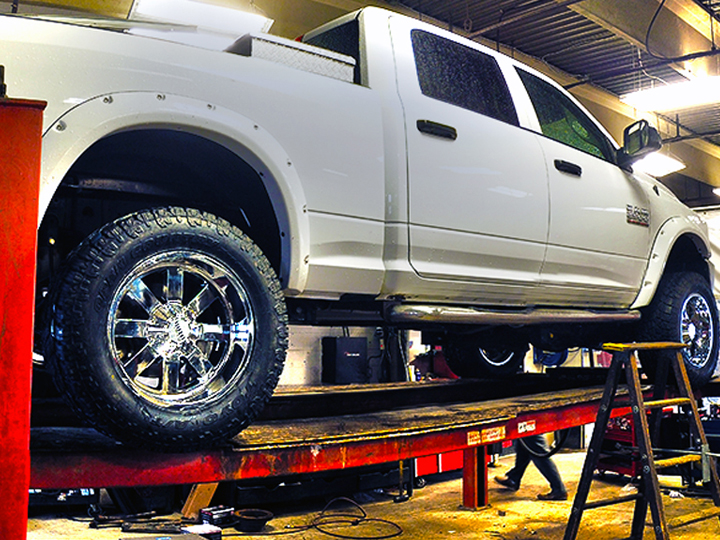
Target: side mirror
(639,140)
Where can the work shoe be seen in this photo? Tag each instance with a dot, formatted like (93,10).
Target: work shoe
(553,496)
(507,482)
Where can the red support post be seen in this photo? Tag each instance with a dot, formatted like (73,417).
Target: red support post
(475,477)
(20,141)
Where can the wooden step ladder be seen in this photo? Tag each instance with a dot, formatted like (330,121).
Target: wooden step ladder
(625,358)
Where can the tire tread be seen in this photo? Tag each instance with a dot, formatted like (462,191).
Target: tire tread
(78,381)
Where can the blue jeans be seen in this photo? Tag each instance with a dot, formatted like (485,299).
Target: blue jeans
(546,466)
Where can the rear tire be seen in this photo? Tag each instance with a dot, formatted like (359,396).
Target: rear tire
(168,330)
(684,311)
(468,358)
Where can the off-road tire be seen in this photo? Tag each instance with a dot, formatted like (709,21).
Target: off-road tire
(684,311)
(168,330)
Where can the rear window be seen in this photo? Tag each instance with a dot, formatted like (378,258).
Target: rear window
(343,39)
(462,76)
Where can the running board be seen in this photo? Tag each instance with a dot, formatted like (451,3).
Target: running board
(415,313)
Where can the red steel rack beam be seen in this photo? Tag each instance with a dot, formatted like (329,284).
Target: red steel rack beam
(279,448)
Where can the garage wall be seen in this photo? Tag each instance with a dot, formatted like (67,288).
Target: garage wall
(303,366)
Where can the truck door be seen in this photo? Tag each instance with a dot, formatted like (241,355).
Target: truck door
(599,222)
(478,192)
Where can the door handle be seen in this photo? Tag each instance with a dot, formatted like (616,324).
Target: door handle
(570,168)
(439,130)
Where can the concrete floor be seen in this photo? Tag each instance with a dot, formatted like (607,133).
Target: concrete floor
(434,513)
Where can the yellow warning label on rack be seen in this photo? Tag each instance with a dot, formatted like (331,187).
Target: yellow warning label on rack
(473,438)
(486,436)
(492,435)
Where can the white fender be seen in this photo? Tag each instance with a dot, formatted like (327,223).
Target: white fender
(668,234)
(69,136)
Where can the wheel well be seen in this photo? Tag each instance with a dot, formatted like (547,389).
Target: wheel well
(686,256)
(128,171)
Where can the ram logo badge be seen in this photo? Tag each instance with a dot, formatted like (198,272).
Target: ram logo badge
(638,216)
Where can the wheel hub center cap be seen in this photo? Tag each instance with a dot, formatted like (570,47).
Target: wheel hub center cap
(179,330)
(173,329)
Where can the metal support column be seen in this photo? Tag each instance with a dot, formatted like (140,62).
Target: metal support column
(475,477)
(20,140)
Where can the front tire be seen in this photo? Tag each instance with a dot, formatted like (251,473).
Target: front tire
(684,311)
(169,330)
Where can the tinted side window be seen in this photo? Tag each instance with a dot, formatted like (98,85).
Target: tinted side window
(562,120)
(461,76)
(343,39)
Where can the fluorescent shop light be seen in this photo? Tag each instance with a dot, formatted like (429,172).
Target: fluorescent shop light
(701,91)
(658,165)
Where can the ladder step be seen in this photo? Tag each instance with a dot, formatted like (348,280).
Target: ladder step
(608,502)
(663,345)
(660,403)
(694,517)
(626,453)
(680,460)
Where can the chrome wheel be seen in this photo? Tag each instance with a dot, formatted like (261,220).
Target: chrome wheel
(497,357)
(168,330)
(683,310)
(696,330)
(466,357)
(180,329)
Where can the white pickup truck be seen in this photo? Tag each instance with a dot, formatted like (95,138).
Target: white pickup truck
(381,171)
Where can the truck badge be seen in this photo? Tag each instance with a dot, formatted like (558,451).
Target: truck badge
(637,216)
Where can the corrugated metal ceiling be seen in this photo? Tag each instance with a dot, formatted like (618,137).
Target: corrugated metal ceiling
(552,32)
(713,6)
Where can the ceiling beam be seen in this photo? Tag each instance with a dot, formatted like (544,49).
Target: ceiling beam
(108,8)
(681,28)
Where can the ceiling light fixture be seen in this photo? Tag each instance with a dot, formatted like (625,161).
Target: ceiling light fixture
(700,91)
(658,165)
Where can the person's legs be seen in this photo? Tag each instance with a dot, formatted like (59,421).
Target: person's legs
(549,470)
(522,460)
(538,445)
(530,448)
